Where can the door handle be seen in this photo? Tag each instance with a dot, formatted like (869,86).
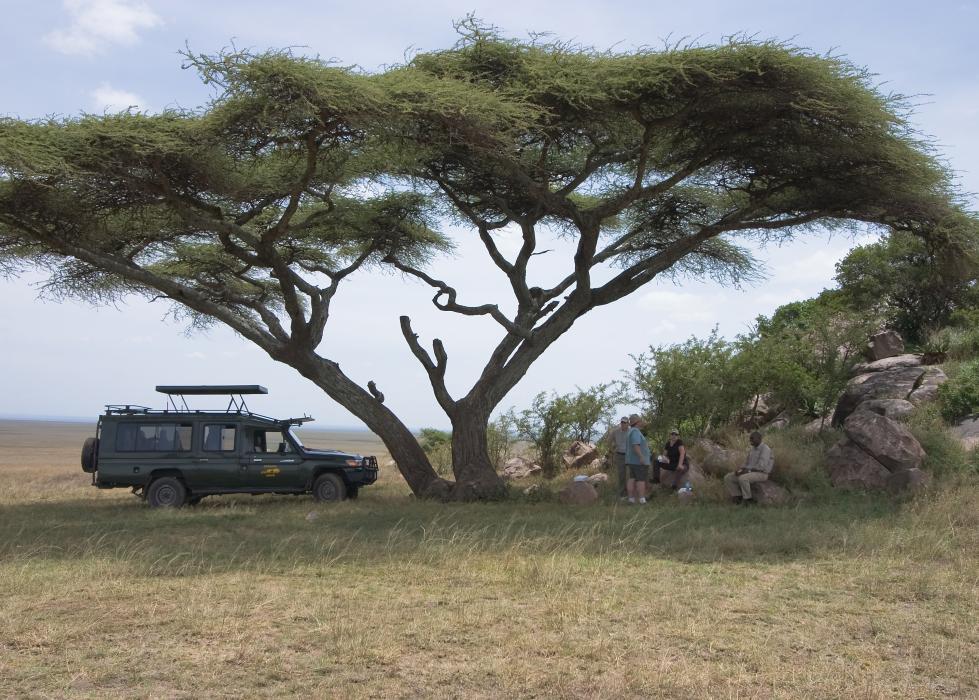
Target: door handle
(257,459)
(202,460)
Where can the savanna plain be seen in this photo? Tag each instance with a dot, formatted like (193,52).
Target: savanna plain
(838,595)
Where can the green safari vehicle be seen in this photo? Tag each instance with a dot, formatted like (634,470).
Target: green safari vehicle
(176,455)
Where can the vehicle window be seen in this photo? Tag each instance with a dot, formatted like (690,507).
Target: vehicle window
(273,441)
(153,437)
(220,438)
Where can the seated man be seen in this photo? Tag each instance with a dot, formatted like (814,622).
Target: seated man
(757,466)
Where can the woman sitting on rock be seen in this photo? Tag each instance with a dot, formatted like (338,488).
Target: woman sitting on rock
(675,453)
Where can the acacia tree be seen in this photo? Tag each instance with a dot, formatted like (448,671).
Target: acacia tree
(653,162)
(253,210)
(250,212)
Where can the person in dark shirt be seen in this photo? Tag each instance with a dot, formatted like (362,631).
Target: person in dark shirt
(676,460)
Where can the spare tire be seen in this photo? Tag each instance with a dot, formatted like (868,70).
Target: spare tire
(89,452)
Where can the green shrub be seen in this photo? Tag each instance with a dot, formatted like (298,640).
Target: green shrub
(437,444)
(963,343)
(799,457)
(499,439)
(954,343)
(959,396)
(945,454)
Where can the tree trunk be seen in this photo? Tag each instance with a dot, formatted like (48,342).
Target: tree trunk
(401,443)
(476,477)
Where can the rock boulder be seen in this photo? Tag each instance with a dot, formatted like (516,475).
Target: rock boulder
(927,389)
(768,493)
(667,479)
(896,362)
(890,408)
(851,468)
(884,344)
(579,455)
(519,468)
(967,432)
(909,480)
(892,384)
(759,410)
(578,493)
(887,441)
(717,460)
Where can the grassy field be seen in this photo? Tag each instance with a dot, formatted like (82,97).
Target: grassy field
(854,596)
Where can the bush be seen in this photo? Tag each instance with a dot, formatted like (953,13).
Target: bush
(799,457)
(437,444)
(963,343)
(499,439)
(945,455)
(959,396)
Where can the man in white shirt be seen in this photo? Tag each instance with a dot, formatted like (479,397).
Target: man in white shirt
(757,466)
(617,439)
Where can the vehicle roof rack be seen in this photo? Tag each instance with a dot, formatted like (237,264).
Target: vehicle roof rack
(236,392)
(126,409)
(212,389)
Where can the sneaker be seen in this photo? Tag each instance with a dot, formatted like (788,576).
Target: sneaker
(632,501)
(642,501)
(736,500)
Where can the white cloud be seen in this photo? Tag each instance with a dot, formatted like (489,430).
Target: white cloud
(96,24)
(106,98)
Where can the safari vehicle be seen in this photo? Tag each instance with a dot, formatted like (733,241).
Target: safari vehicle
(177,455)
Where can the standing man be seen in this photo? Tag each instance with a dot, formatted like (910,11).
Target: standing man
(757,466)
(637,460)
(617,439)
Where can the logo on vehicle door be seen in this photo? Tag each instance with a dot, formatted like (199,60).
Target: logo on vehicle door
(271,471)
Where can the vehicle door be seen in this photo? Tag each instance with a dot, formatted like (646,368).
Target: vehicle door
(217,459)
(270,460)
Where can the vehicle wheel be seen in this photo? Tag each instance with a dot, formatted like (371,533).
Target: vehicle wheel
(166,492)
(329,487)
(89,448)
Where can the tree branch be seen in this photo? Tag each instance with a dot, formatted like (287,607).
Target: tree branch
(436,369)
(450,304)
(174,290)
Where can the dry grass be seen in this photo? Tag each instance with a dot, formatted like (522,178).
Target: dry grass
(387,597)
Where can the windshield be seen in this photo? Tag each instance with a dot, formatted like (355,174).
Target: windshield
(295,438)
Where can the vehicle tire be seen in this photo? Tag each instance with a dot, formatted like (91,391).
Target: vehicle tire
(328,488)
(166,492)
(89,450)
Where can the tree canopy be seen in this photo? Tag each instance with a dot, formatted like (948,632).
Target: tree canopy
(253,209)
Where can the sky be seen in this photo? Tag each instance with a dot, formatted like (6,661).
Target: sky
(67,358)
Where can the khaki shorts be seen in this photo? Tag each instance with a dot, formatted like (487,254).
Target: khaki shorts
(639,472)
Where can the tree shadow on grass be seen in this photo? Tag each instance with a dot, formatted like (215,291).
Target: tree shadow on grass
(276,533)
